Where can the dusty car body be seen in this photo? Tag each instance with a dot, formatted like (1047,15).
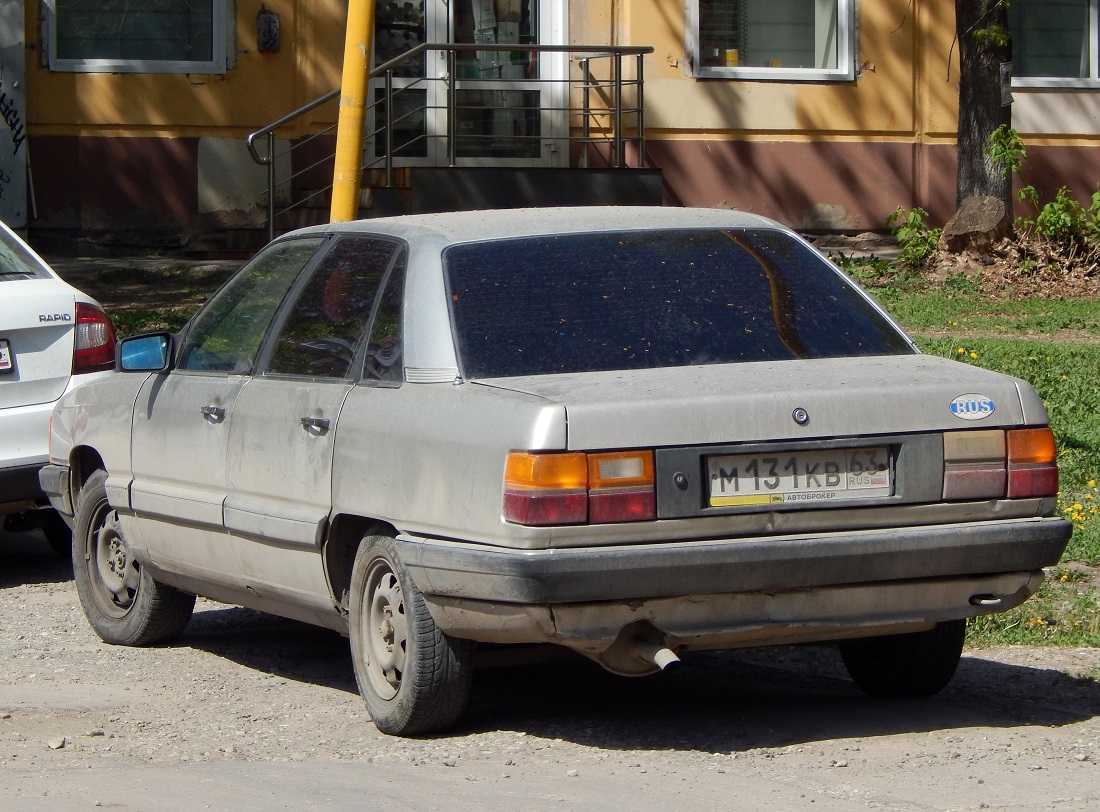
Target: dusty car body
(636,433)
(53,337)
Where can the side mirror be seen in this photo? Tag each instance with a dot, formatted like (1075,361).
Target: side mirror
(147,353)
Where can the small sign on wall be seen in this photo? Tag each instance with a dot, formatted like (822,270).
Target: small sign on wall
(1006,84)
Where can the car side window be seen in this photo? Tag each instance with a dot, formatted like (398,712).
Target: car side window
(226,334)
(325,326)
(383,361)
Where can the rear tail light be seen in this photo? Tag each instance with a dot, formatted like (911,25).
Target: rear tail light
(94,346)
(575,488)
(994,464)
(1032,463)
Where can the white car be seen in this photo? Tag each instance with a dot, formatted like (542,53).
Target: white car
(52,338)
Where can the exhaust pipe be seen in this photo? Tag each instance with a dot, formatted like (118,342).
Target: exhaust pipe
(661,656)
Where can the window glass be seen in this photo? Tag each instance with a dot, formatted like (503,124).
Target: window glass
(16,262)
(383,360)
(583,302)
(782,39)
(226,334)
(326,324)
(1053,38)
(149,36)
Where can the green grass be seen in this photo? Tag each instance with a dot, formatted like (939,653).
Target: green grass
(1064,612)
(942,310)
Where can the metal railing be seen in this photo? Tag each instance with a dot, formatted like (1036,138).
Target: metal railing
(602,108)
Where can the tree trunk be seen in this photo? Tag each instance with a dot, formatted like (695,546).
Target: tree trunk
(980,108)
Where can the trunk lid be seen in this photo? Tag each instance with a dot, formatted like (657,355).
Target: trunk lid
(37,327)
(756,402)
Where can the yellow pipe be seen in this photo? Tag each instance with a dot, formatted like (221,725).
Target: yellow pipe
(347,174)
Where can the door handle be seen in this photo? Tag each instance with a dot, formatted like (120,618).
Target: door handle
(215,414)
(314,424)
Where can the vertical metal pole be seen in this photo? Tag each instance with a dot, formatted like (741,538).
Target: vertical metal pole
(640,114)
(389,129)
(348,171)
(618,134)
(271,186)
(586,111)
(452,102)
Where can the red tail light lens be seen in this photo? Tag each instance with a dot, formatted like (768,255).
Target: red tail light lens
(94,345)
(574,488)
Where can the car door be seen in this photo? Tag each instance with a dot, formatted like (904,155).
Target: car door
(284,420)
(183,417)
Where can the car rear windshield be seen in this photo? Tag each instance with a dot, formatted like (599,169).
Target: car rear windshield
(17,263)
(630,300)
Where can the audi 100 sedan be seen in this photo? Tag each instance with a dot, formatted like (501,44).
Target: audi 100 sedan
(636,433)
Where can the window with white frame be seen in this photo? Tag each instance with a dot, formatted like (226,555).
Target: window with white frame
(137,36)
(786,40)
(1054,43)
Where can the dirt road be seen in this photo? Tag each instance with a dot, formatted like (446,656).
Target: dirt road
(249,712)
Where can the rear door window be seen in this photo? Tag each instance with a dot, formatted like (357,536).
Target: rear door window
(630,300)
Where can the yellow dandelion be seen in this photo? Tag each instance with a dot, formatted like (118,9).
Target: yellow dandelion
(1092,483)
(973,355)
(961,350)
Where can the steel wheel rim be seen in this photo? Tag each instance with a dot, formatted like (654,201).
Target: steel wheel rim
(113,574)
(386,630)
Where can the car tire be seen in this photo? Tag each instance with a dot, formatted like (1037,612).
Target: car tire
(123,603)
(413,677)
(905,665)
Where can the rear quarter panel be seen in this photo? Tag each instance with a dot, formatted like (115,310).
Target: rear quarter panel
(429,458)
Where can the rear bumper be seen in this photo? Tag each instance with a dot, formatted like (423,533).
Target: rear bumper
(780,563)
(617,605)
(20,489)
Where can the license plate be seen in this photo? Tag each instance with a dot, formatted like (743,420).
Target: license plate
(5,356)
(800,477)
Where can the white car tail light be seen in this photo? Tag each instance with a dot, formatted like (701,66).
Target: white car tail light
(94,346)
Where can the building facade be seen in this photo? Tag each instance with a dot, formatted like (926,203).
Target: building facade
(824,114)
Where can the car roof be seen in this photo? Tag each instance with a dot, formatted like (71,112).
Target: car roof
(477,226)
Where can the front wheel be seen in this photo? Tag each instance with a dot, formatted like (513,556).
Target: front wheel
(123,603)
(413,677)
(905,665)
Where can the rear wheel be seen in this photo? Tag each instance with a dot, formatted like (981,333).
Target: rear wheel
(413,677)
(123,603)
(905,665)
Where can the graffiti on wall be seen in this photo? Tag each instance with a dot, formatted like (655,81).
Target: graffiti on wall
(13,115)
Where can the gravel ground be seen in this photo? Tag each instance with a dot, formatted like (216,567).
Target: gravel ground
(247,711)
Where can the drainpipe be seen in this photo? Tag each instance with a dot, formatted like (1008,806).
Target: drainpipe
(348,172)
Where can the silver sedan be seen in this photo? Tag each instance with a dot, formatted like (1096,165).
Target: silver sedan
(637,433)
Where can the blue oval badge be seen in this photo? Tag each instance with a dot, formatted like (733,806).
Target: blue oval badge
(972,407)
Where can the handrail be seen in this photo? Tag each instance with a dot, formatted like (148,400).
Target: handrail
(614,109)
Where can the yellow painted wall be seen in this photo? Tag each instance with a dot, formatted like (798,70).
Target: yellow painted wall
(261,88)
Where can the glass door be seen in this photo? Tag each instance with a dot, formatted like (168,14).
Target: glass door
(508,106)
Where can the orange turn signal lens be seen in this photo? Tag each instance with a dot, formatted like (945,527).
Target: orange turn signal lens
(1031,445)
(550,471)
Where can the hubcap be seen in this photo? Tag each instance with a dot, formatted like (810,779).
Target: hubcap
(386,644)
(118,574)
